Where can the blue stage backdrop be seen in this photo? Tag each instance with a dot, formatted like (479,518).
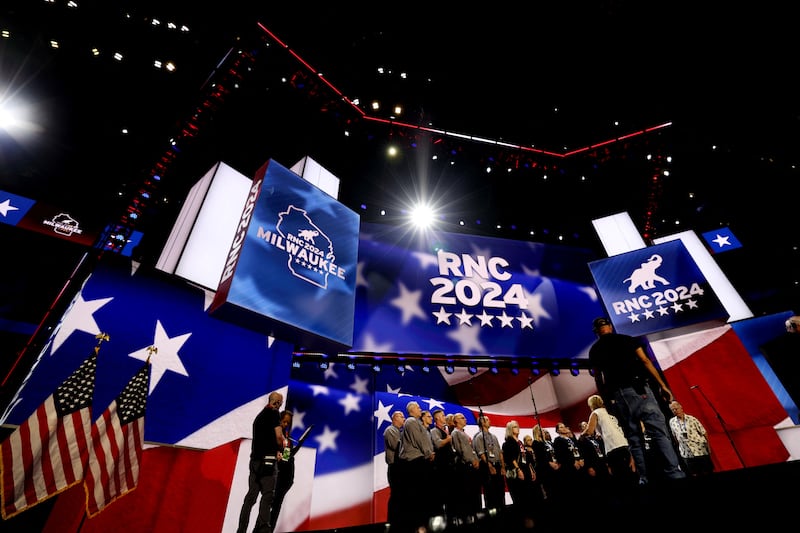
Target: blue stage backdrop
(459,294)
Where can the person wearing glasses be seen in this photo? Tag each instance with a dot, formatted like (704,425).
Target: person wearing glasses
(692,439)
(467,482)
(493,470)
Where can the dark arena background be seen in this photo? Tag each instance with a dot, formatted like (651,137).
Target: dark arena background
(520,126)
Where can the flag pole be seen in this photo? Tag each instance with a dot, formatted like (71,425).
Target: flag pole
(101,337)
(41,326)
(533,400)
(150,351)
(83,519)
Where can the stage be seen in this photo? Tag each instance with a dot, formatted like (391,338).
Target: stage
(721,500)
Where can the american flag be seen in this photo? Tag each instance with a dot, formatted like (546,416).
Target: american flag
(46,453)
(117,442)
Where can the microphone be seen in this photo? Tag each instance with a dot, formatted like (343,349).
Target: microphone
(530,380)
(694,387)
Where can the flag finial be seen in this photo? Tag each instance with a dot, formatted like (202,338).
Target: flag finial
(100,338)
(150,351)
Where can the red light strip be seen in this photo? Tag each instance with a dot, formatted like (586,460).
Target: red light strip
(447,133)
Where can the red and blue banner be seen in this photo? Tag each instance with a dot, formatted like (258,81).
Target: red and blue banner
(28,214)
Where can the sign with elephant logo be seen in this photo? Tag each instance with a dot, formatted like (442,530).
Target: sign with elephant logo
(654,289)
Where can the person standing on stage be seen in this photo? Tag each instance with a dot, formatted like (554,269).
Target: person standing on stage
(493,471)
(391,443)
(622,375)
(285,468)
(444,465)
(514,458)
(546,464)
(692,440)
(266,451)
(467,481)
(623,479)
(417,454)
(571,478)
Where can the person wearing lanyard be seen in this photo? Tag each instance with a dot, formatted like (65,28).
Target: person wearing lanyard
(514,458)
(493,470)
(692,440)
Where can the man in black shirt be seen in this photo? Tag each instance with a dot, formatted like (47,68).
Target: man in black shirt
(267,449)
(622,375)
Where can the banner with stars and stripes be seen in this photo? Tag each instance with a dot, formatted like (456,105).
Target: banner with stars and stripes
(449,293)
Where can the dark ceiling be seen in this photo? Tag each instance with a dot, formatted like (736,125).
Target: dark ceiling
(560,78)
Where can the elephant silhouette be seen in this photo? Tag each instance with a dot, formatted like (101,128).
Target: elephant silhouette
(308,235)
(645,276)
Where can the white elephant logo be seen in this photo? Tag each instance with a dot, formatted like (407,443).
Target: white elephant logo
(308,235)
(645,276)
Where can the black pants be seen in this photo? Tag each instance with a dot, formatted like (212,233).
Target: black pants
(467,491)
(282,486)
(260,481)
(494,487)
(415,486)
(394,509)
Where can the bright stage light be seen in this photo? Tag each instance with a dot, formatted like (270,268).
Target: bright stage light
(15,118)
(422,216)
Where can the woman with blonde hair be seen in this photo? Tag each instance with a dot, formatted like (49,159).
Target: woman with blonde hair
(620,462)
(546,464)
